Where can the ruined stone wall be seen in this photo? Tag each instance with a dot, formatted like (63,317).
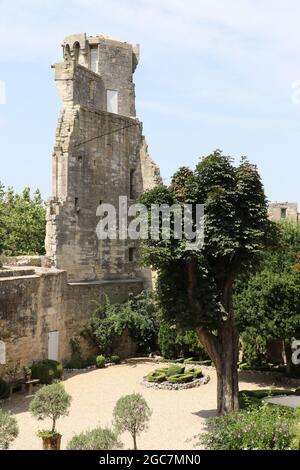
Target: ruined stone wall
(96,155)
(283,210)
(33,305)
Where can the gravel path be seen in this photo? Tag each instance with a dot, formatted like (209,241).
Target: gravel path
(177,415)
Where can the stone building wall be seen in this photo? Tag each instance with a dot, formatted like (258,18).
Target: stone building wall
(283,210)
(34,305)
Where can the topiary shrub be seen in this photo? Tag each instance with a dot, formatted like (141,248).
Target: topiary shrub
(156,376)
(115,359)
(47,371)
(197,373)
(96,439)
(4,390)
(193,361)
(100,362)
(174,370)
(180,378)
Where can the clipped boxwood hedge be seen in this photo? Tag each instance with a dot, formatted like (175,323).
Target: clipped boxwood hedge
(193,361)
(174,370)
(197,373)
(47,371)
(156,376)
(180,378)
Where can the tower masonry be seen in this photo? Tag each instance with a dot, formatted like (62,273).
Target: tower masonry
(100,153)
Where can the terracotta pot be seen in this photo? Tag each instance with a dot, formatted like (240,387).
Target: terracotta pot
(52,443)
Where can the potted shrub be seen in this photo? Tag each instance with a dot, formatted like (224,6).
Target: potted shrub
(51,401)
(27,373)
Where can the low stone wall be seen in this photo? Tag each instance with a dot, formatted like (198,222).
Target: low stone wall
(32,306)
(169,386)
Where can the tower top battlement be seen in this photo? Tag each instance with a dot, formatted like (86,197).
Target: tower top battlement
(97,72)
(89,50)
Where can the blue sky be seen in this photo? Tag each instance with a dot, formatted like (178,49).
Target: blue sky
(212,74)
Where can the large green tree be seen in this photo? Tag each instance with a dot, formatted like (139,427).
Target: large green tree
(22,222)
(268,302)
(195,287)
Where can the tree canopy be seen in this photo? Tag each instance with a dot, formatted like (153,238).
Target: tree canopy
(22,222)
(195,287)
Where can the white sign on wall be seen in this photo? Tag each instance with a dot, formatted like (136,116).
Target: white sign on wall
(2,353)
(112,101)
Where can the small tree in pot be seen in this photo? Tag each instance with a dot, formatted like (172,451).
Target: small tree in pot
(51,401)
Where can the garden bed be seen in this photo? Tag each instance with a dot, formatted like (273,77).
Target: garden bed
(175,377)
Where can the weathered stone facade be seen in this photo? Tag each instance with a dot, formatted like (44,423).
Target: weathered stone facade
(99,154)
(283,210)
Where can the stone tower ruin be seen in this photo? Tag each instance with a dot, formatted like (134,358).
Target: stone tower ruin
(99,154)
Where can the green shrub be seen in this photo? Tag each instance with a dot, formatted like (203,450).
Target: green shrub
(174,370)
(174,342)
(4,389)
(264,427)
(100,362)
(180,360)
(8,429)
(96,439)
(115,359)
(197,373)
(137,317)
(181,378)
(250,398)
(156,376)
(47,371)
(297,391)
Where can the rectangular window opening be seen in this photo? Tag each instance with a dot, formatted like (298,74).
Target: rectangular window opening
(283,212)
(94,59)
(132,254)
(131,184)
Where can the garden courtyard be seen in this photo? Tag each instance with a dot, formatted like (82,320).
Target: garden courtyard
(177,416)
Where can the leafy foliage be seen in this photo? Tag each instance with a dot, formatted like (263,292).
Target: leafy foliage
(51,401)
(268,302)
(173,342)
(132,414)
(100,362)
(137,316)
(47,370)
(264,427)
(8,429)
(195,287)
(22,222)
(95,439)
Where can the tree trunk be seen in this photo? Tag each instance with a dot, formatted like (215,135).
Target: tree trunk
(226,368)
(223,349)
(134,442)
